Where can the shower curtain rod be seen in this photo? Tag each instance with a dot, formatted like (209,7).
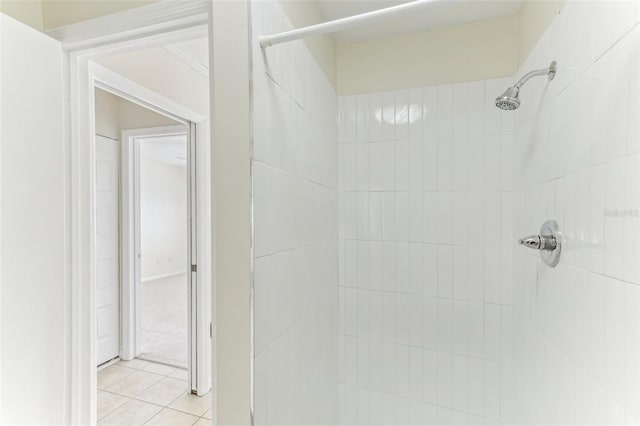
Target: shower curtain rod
(338,24)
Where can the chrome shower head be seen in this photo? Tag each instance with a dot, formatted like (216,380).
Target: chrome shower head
(510,99)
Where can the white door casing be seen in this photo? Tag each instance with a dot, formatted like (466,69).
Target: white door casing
(199,248)
(34,247)
(107,240)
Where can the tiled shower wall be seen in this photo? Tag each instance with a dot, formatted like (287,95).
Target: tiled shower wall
(296,231)
(577,326)
(426,253)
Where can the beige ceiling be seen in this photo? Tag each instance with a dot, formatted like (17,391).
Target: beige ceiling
(434,13)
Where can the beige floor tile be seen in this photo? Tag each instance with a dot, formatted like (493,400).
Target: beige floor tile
(180,373)
(112,374)
(169,417)
(196,405)
(164,391)
(208,414)
(135,383)
(202,422)
(107,402)
(138,364)
(133,412)
(153,367)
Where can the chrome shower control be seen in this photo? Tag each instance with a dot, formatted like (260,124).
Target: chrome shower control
(548,242)
(538,242)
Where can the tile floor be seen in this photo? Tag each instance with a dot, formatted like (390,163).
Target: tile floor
(140,392)
(164,320)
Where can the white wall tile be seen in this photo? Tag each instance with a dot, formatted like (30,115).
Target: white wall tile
(401,131)
(375,121)
(415,168)
(430,217)
(388,152)
(632,351)
(614,219)
(430,322)
(445,325)
(614,326)
(349,117)
(475,386)
(572,315)
(460,279)
(444,379)
(387,116)
(459,383)
(631,225)
(461,317)
(402,166)
(362,167)
(491,390)
(430,163)
(492,332)
(362,118)
(430,368)
(445,217)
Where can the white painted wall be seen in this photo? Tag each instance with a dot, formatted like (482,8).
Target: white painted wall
(321,48)
(164,233)
(107,114)
(164,73)
(453,54)
(33,244)
(163,216)
(295,235)
(57,13)
(534,17)
(27,12)
(472,51)
(577,157)
(115,114)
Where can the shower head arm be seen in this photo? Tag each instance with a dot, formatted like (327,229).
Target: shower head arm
(550,72)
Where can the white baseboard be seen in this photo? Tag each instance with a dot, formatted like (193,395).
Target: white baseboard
(167,275)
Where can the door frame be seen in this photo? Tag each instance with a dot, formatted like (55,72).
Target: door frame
(198,167)
(130,235)
(199,379)
(149,26)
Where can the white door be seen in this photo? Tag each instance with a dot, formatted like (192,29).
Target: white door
(107,249)
(33,295)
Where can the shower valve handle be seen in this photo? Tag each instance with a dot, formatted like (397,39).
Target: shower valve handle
(539,242)
(548,242)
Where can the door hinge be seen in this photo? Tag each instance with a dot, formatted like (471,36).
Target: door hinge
(211,330)
(194,268)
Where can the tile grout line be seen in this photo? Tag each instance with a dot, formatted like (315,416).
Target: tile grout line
(130,398)
(105,415)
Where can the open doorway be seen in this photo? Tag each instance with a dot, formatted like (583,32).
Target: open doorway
(152,242)
(113,115)
(164,280)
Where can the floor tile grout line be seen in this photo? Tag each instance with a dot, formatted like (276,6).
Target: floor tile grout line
(162,407)
(151,418)
(145,371)
(134,397)
(114,409)
(149,402)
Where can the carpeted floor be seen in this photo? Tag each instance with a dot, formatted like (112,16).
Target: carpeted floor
(164,320)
